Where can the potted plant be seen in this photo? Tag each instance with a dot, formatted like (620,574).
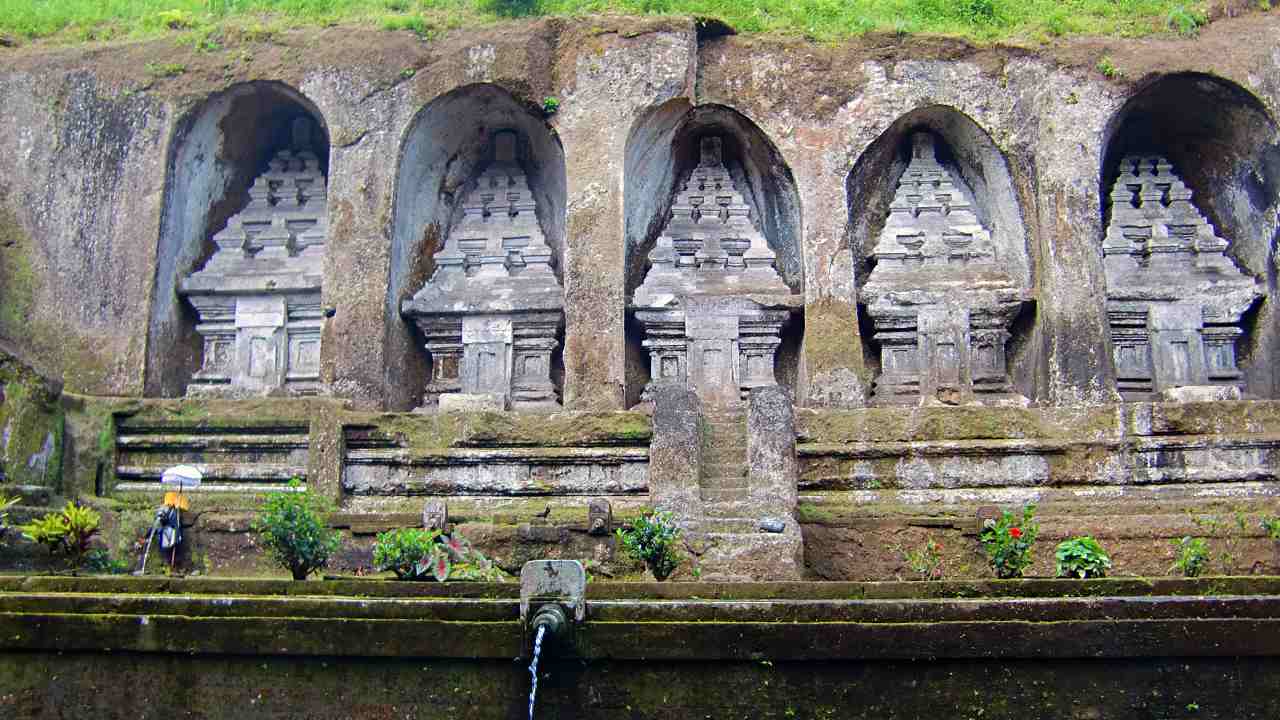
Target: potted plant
(292,527)
(1081,557)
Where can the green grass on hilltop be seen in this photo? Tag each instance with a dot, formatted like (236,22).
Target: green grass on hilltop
(981,20)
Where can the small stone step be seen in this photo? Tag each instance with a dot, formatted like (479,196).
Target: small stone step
(724,494)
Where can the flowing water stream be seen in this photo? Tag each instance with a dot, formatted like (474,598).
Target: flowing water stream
(533,668)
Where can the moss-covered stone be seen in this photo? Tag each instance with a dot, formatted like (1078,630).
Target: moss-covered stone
(31,427)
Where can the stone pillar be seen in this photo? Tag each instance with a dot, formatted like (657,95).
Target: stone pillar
(675,452)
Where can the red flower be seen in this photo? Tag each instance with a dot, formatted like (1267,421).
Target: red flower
(1015,533)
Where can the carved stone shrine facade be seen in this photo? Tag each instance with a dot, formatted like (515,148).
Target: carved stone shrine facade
(258,297)
(940,299)
(492,312)
(713,305)
(1174,299)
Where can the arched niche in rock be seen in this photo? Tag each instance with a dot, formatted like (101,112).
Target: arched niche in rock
(217,154)
(943,269)
(478,232)
(1188,187)
(680,161)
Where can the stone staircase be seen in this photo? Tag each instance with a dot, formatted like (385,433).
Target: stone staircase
(732,544)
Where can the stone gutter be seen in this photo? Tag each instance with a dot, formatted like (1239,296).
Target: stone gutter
(1114,618)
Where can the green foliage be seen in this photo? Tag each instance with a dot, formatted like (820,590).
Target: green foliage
(1082,557)
(926,560)
(1008,540)
(1191,556)
(99,560)
(6,502)
(653,539)
(1107,67)
(1271,524)
(291,526)
(414,554)
(1186,21)
(550,104)
(68,532)
(159,70)
(982,20)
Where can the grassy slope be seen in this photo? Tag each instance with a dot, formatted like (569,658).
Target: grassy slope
(982,20)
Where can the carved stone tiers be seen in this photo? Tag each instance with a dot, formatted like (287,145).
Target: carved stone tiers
(492,311)
(258,296)
(1174,299)
(940,301)
(713,304)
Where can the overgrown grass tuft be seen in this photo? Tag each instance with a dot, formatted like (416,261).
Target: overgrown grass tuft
(980,20)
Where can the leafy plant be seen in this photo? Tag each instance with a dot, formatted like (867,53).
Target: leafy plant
(653,539)
(1186,21)
(415,554)
(1107,67)
(68,532)
(292,527)
(99,560)
(926,560)
(6,502)
(1191,556)
(1008,540)
(1270,523)
(1082,557)
(550,104)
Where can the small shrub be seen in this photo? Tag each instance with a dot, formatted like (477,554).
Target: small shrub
(414,554)
(6,502)
(1191,556)
(99,560)
(926,560)
(174,19)
(166,70)
(653,539)
(1186,21)
(1107,67)
(1082,557)
(550,105)
(1008,541)
(68,532)
(292,528)
(1271,524)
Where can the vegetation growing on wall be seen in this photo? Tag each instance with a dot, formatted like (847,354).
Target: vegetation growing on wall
(985,20)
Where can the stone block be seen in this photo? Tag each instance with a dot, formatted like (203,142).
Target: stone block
(477,402)
(1200,393)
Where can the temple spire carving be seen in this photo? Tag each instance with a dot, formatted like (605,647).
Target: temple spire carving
(940,300)
(492,311)
(1174,298)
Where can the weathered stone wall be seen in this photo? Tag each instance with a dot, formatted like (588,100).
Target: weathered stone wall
(101,151)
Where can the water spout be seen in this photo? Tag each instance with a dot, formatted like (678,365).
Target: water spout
(533,667)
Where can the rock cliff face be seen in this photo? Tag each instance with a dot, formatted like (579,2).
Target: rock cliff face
(122,167)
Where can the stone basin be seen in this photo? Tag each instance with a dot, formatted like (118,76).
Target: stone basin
(121,647)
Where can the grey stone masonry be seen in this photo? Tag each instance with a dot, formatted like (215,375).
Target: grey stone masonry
(939,297)
(258,297)
(1174,299)
(713,304)
(492,311)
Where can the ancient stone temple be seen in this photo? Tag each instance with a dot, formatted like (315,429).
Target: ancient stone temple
(939,298)
(258,296)
(1174,300)
(713,304)
(492,311)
